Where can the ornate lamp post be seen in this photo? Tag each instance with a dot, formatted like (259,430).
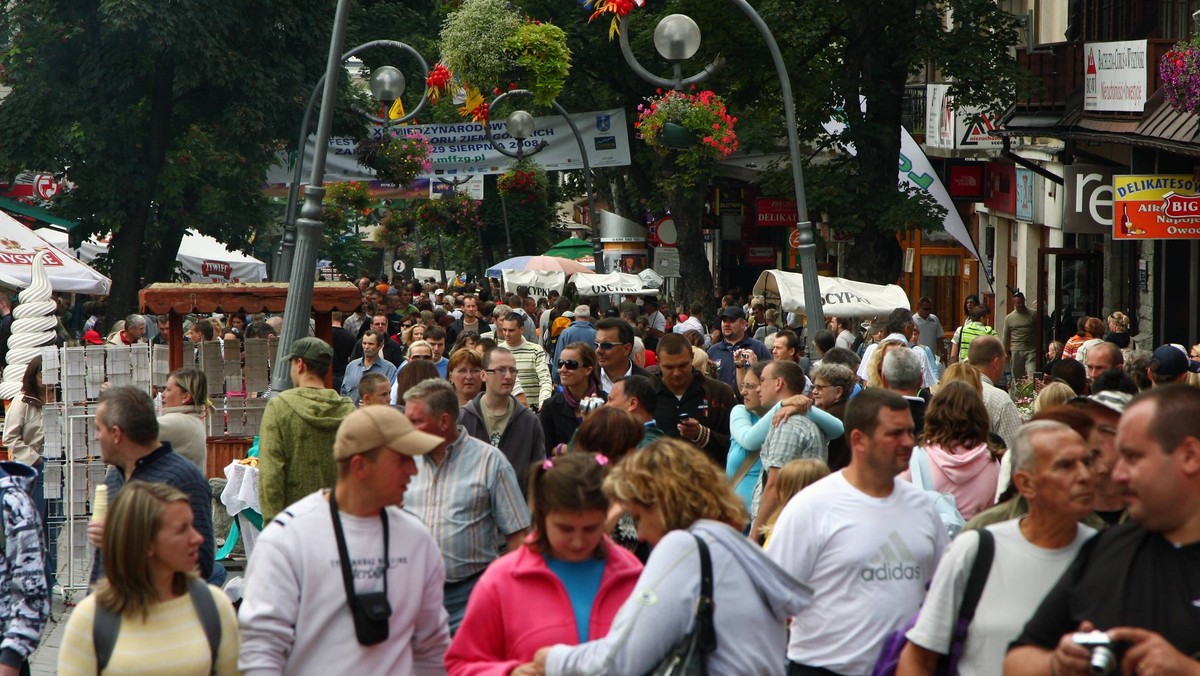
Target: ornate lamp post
(677,38)
(520,125)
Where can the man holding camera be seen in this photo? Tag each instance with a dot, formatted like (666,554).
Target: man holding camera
(1131,599)
(344,576)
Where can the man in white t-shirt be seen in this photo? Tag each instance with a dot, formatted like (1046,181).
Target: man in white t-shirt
(1054,476)
(865,542)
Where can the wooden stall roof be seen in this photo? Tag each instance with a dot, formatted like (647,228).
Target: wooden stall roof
(243,297)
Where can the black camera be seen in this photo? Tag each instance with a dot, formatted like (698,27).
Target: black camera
(1104,651)
(371,615)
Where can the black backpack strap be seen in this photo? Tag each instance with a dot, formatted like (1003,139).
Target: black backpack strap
(105,627)
(978,578)
(704,609)
(210,619)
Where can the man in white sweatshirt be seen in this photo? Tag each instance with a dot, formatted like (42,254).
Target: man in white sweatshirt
(376,605)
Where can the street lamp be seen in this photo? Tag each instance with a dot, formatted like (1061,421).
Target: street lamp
(301,278)
(676,40)
(387,85)
(520,125)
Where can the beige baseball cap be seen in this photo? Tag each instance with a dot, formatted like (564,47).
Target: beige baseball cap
(371,427)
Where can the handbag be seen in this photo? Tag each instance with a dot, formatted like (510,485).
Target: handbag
(690,656)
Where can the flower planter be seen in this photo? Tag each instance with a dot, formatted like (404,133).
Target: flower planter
(676,136)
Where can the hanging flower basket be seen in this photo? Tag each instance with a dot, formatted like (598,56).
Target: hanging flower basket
(525,182)
(399,157)
(1179,69)
(695,120)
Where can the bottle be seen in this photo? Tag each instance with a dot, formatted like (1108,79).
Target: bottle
(100,504)
(1126,225)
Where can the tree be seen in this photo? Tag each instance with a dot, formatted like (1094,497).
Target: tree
(164,116)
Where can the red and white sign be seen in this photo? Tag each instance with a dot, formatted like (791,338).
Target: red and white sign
(760,255)
(794,239)
(216,269)
(773,211)
(45,187)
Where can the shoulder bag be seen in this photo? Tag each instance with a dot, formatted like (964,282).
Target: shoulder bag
(690,656)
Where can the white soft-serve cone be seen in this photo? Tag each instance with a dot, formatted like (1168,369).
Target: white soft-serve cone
(33,326)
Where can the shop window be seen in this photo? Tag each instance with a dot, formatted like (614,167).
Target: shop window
(940,281)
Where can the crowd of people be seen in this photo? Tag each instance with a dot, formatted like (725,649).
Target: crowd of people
(524,486)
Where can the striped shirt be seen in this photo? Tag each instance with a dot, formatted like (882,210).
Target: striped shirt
(465,501)
(533,372)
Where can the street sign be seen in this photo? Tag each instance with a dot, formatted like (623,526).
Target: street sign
(399,267)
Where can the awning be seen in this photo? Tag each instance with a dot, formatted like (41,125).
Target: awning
(839,297)
(37,214)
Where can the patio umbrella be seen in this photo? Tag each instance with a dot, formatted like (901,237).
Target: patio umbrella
(572,248)
(536,263)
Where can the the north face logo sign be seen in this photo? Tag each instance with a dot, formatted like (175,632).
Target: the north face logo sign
(216,269)
(894,561)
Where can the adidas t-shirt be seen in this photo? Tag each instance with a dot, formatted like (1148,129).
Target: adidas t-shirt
(867,560)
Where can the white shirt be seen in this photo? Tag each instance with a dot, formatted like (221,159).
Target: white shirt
(606,383)
(867,560)
(1021,575)
(928,377)
(689,324)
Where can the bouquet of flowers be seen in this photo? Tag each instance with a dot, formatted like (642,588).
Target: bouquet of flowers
(1179,69)
(397,158)
(676,118)
(525,182)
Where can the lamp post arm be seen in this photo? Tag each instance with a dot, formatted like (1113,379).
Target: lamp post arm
(597,247)
(808,247)
(670,83)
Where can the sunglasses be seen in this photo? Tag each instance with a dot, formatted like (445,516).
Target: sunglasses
(425,357)
(568,364)
(608,346)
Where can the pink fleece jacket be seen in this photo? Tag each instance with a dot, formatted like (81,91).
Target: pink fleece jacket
(969,474)
(519,606)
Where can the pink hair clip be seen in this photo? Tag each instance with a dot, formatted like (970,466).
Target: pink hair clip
(601,459)
(547,464)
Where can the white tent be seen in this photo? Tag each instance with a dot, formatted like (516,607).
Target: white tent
(203,258)
(840,297)
(623,283)
(539,282)
(19,244)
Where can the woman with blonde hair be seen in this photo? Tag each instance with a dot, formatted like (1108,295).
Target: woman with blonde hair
(875,365)
(960,371)
(685,509)
(955,442)
(153,595)
(1056,393)
(794,477)
(185,408)
(1118,330)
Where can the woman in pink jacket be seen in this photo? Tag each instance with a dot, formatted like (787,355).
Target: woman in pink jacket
(564,585)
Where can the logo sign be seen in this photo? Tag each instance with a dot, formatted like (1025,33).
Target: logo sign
(216,269)
(1089,203)
(965,181)
(603,123)
(45,187)
(13,254)
(773,211)
(794,239)
(1114,76)
(1156,207)
(957,127)
(760,255)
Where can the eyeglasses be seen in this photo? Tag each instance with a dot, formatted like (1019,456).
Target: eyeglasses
(568,364)
(747,386)
(608,346)
(467,372)
(424,357)
(502,371)
(818,388)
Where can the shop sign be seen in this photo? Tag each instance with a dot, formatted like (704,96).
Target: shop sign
(760,255)
(1089,203)
(773,211)
(957,127)
(1025,195)
(1001,192)
(965,181)
(1114,76)
(1156,207)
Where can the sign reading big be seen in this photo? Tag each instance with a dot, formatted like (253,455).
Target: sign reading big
(1156,207)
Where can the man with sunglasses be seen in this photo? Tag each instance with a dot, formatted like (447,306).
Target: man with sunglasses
(614,343)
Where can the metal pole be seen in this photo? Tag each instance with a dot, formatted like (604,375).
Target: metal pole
(300,287)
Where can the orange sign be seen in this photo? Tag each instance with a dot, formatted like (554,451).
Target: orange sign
(1156,207)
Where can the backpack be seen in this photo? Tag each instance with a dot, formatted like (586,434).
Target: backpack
(945,503)
(107,625)
(947,665)
(556,328)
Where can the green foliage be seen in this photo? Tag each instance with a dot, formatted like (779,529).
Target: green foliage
(442,232)
(541,50)
(347,209)
(473,40)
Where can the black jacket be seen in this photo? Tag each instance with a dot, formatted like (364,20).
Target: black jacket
(707,400)
(559,420)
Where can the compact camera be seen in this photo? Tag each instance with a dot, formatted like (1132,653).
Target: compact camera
(1104,651)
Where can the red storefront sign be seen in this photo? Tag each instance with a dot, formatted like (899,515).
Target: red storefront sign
(774,211)
(1001,192)
(965,181)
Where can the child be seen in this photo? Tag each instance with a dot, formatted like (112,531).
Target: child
(793,477)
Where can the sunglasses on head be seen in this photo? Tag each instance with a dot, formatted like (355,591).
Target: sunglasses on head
(428,357)
(569,364)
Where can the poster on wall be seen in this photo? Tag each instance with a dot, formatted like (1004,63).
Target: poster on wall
(1114,76)
(1165,206)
